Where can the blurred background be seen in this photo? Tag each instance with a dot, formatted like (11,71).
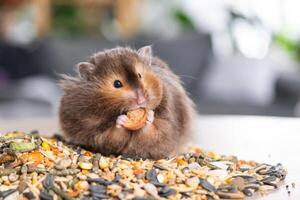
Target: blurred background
(234,56)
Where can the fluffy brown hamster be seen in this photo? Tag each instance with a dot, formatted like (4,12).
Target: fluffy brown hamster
(112,82)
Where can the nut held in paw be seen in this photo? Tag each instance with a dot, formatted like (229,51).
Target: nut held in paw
(136,119)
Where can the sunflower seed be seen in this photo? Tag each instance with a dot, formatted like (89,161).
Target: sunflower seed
(206,185)
(100,181)
(6,193)
(238,195)
(239,182)
(161,167)
(248,192)
(166,191)
(247,178)
(48,182)
(45,196)
(152,175)
(29,195)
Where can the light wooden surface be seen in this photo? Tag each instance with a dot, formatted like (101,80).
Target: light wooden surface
(264,139)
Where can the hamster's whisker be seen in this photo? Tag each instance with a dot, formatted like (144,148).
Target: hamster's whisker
(188,76)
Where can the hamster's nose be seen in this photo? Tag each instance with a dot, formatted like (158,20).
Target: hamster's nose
(140,97)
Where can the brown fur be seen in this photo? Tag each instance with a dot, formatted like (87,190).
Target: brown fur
(90,105)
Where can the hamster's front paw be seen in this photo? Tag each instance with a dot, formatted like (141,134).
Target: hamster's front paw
(150,117)
(121,120)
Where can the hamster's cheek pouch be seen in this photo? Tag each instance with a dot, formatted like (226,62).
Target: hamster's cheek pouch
(151,80)
(154,88)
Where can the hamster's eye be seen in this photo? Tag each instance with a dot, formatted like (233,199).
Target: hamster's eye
(118,84)
(140,76)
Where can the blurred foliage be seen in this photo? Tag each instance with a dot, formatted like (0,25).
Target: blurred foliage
(69,20)
(66,20)
(184,20)
(291,46)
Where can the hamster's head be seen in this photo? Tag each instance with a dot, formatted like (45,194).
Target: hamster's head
(122,79)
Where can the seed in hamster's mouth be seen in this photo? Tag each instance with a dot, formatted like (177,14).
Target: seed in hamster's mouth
(134,107)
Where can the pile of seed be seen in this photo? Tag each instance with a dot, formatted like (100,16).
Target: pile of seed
(34,167)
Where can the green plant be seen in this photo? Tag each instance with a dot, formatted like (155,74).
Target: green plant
(66,20)
(183,19)
(291,46)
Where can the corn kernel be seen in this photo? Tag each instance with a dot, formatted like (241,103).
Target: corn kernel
(45,146)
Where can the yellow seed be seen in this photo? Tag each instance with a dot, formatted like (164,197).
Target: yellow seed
(7,183)
(45,146)
(229,180)
(214,155)
(136,165)
(85,165)
(81,186)
(34,181)
(103,164)
(181,161)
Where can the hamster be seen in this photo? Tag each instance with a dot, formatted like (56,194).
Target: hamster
(94,104)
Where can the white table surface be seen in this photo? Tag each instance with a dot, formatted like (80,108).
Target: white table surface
(264,139)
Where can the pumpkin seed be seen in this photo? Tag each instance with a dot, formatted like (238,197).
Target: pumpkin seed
(22,146)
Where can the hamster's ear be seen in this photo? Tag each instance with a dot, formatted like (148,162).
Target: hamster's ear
(146,52)
(85,69)
(97,58)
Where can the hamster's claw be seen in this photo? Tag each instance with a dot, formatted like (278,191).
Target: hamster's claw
(150,117)
(121,121)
